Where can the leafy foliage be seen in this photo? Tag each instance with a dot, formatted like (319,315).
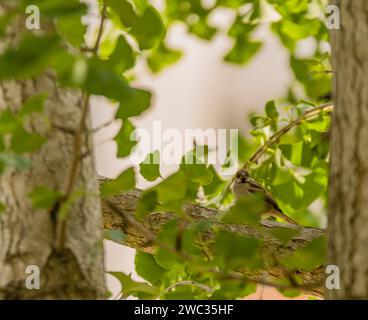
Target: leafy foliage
(294,168)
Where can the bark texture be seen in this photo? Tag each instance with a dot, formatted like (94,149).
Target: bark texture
(27,235)
(348,212)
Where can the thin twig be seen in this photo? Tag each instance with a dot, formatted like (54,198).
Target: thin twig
(77,145)
(187,283)
(100,28)
(328,107)
(103,126)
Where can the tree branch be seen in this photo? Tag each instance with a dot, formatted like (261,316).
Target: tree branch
(118,214)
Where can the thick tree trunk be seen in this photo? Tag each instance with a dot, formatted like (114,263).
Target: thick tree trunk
(348,196)
(27,235)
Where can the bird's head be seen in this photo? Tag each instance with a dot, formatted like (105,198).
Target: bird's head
(242,176)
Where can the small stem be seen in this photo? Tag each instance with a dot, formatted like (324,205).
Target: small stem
(328,107)
(187,283)
(77,145)
(100,29)
(103,126)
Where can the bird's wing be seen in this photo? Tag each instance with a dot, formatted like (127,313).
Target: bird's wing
(255,187)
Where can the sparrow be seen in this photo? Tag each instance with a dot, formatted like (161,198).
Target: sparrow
(244,184)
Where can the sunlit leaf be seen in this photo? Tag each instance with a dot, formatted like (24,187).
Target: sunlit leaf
(34,104)
(131,287)
(243,51)
(147,203)
(125,139)
(43,197)
(150,167)
(125,11)
(247,210)
(172,188)
(30,58)
(26,142)
(308,257)
(148,29)
(147,267)
(125,181)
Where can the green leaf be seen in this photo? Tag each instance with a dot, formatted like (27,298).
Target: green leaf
(308,257)
(172,188)
(289,293)
(141,5)
(44,197)
(271,110)
(71,29)
(243,51)
(168,234)
(60,8)
(284,234)
(316,86)
(301,30)
(216,185)
(135,288)
(197,172)
(14,160)
(125,139)
(148,29)
(298,153)
(202,29)
(136,102)
(125,181)
(162,57)
(123,57)
(243,250)
(2,208)
(150,167)
(147,267)
(230,290)
(9,123)
(33,105)
(314,185)
(67,205)
(26,142)
(147,203)
(99,78)
(115,235)
(125,11)
(30,58)
(240,29)
(247,210)
(204,225)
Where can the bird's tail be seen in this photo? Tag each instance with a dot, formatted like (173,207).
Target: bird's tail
(286,218)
